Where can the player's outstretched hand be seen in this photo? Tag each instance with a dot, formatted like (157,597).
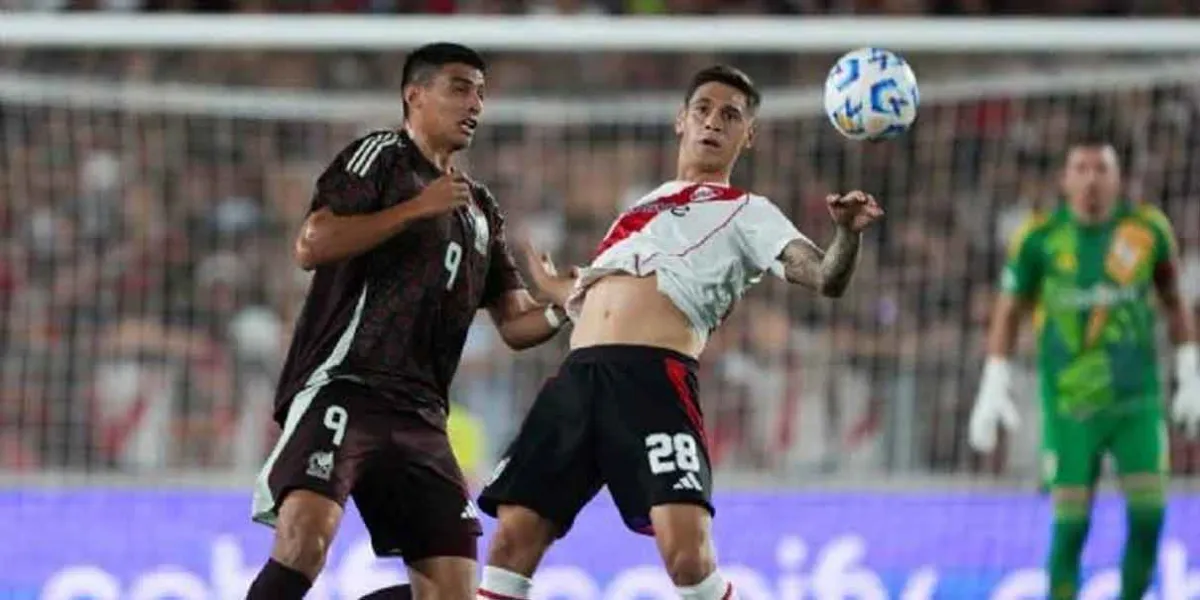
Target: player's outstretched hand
(854,211)
(1185,407)
(444,194)
(994,407)
(548,285)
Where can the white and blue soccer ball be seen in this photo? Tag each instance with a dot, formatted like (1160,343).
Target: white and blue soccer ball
(871,94)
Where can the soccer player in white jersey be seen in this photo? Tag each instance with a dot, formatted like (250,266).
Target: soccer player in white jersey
(623,409)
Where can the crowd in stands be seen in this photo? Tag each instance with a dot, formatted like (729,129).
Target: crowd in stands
(147,289)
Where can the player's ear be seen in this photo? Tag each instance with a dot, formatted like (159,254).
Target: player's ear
(410,94)
(679,117)
(751,134)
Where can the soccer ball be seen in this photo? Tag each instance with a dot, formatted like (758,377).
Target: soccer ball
(871,94)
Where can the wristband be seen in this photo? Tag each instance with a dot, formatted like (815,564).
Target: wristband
(552,317)
(1187,361)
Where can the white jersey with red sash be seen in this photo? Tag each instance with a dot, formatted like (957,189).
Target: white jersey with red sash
(706,243)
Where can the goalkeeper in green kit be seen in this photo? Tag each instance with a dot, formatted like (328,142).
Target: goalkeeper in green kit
(1091,270)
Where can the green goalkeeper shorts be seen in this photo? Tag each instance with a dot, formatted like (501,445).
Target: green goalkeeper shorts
(1073,449)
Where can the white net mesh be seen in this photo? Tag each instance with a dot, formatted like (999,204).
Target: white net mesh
(148,292)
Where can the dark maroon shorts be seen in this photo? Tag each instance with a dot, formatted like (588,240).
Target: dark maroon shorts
(341,440)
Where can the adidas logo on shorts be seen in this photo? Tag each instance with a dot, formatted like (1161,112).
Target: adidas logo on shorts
(469,511)
(689,482)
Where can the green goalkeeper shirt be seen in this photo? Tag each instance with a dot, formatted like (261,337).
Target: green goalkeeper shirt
(1093,286)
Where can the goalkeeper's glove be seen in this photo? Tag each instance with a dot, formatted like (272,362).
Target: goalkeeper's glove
(1185,409)
(993,406)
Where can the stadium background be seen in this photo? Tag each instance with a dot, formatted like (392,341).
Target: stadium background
(151,184)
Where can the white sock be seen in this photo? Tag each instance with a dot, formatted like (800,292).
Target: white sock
(714,587)
(500,584)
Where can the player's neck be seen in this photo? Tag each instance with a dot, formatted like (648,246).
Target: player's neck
(1084,219)
(694,174)
(440,157)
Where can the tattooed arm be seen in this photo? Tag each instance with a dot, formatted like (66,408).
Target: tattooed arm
(774,243)
(826,272)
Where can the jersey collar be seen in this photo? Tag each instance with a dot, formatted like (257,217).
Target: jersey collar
(1122,209)
(423,165)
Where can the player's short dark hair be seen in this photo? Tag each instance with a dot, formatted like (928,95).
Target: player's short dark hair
(1090,140)
(423,62)
(730,76)
(1097,140)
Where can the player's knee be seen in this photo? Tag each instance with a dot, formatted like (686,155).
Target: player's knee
(1145,498)
(1072,502)
(522,537)
(688,565)
(443,578)
(1144,488)
(682,533)
(305,529)
(300,547)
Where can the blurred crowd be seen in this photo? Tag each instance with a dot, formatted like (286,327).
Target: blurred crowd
(147,289)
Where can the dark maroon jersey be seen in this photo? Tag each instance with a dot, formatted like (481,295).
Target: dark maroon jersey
(395,319)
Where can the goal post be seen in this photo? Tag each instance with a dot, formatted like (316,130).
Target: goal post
(596,34)
(153,170)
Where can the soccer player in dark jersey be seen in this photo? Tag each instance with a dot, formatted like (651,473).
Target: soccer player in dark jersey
(406,250)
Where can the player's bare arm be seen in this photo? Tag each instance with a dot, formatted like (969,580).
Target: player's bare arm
(523,322)
(526,319)
(545,282)
(828,271)
(1180,327)
(824,272)
(327,237)
(1007,315)
(1185,406)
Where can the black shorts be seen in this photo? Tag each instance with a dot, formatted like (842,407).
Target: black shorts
(341,440)
(625,416)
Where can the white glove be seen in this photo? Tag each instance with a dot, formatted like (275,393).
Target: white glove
(1185,408)
(993,406)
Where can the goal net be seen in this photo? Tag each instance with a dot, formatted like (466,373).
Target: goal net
(150,196)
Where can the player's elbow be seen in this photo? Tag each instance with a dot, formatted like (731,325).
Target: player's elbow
(519,335)
(818,283)
(515,341)
(307,252)
(304,255)
(832,289)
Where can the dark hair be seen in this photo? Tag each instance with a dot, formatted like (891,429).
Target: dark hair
(1095,140)
(730,76)
(421,64)
(1090,140)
